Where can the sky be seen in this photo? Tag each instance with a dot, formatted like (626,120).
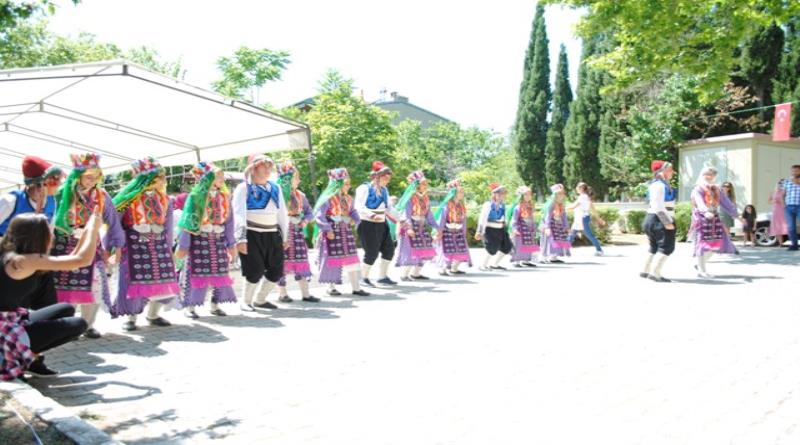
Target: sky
(461,59)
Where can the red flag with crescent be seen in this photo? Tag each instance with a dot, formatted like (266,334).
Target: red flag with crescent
(783,122)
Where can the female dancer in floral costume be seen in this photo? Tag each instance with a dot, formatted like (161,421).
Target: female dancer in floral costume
(451,247)
(522,227)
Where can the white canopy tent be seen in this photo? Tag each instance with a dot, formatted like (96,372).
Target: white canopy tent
(124,112)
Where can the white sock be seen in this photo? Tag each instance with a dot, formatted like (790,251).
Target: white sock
(454,266)
(263,290)
(706,256)
(89,313)
(282,291)
(406,271)
(659,265)
(355,280)
(214,306)
(132,318)
(486,261)
(497,258)
(303,283)
(648,262)
(365,271)
(417,271)
(152,310)
(249,290)
(384,268)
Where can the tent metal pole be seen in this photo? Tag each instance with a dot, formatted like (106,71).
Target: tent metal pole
(53,139)
(312,166)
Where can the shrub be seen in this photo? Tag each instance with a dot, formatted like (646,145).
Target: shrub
(683,220)
(634,220)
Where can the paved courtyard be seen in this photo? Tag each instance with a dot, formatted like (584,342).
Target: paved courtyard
(580,353)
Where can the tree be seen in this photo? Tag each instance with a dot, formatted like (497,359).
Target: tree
(786,86)
(690,37)
(248,69)
(562,98)
(12,12)
(348,132)
(530,129)
(760,60)
(499,168)
(582,131)
(31,44)
(443,150)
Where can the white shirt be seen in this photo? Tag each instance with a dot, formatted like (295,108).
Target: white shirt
(240,212)
(367,214)
(658,207)
(584,203)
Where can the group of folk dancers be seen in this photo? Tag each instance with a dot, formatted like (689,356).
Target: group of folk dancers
(178,254)
(157,251)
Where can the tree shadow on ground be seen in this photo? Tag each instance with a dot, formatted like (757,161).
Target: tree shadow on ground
(333,302)
(80,394)
(765,255)
(303,313)
(218,429)
(389,296)
(184,333)
(259,320)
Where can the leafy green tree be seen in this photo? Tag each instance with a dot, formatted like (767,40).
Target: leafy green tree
(562,98)
(530,129)
(786,86)
(582,131)
(760,60)
(248,69)
(689,37)
(14,12)
(499,168)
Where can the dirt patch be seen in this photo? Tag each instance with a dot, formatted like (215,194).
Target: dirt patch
(13,430)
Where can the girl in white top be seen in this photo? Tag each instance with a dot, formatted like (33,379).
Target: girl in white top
(582,220)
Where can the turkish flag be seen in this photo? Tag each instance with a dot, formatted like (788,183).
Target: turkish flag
(783,122)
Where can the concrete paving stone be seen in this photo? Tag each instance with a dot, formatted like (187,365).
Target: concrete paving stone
(585,352)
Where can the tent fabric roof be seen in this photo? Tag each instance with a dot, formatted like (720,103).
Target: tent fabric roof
(124,112)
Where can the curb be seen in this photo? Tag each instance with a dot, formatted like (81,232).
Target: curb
(53,413)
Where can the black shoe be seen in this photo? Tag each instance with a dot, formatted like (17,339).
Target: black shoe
(457,272)
(518,265)
(556,261)
(659,279)
(311,299)
(419,277)
(92,333)
(264,305)
(159,322)
(37,368)
(247,307)
(498,268)
(645,274)
(285,299)
(129,326)
(387,281)
(793,248)
(218,312)
(361,293)
(334,293)
(405,278)
(367,282)
(444,273)
(192,314)
(529,264)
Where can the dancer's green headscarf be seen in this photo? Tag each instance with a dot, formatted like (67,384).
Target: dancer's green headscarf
(146,171)
(414,180)
(66,194)
(194,210)
(336,178)
(521,191)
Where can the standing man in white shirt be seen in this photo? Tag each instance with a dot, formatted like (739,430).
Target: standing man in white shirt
(260,223)
(659,225)
(372,204)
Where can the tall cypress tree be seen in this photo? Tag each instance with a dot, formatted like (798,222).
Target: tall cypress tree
(530,129)
(562,98)
(760,60)
(582,132)
(786,86)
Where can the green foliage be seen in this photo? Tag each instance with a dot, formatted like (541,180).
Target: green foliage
(562,98)
(689,37)
(499,169)
(247,69)
(683,220)
(582,131)
(443,150)
(786,85)
(348,132)
(530,128)
(759,62)
(31,44)
(634,221)
(14,12)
